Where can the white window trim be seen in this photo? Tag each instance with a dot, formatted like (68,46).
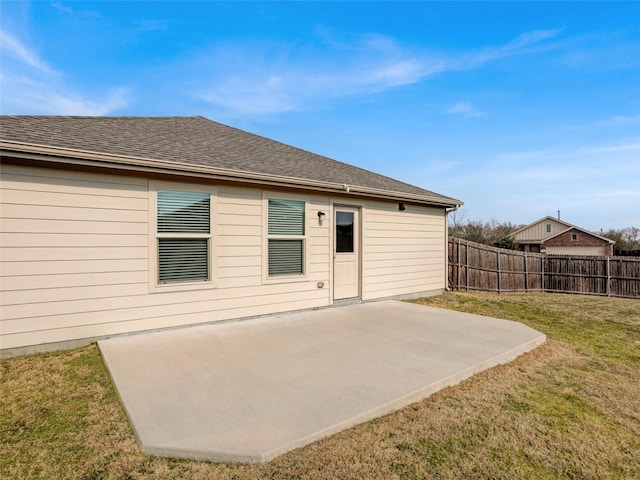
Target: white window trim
(266,278)
(154,285)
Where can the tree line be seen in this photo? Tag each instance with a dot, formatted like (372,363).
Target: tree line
(627,240)
(499,234)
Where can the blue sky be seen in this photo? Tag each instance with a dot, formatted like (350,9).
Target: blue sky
(519,109)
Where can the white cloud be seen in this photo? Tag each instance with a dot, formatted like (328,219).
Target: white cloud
(258,77)
(530,38)
(9,45)
(28,96)
(76,105)
(627,147)
(256,98)
(237,76)
(400,73)
(615,121)
(465,109)
(262,78)
(523,44)
(595,185)
(586,163)
(31,86)
(62,8)
(150,25)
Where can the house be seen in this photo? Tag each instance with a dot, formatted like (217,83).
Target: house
(112,225)
(556,237)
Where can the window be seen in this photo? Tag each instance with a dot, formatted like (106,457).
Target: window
(548,228)
(344,232)
(184,236)
(286,237)
(574,236)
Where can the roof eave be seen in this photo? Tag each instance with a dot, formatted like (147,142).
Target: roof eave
(139,164)
(573,227)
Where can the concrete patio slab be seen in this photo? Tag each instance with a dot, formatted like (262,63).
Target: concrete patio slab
(249,391)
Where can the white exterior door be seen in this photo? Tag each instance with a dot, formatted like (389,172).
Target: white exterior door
(346,252)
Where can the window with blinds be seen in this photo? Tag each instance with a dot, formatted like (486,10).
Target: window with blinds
(286,230)
(184,234)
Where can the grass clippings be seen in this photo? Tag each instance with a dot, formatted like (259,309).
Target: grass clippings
(569,409)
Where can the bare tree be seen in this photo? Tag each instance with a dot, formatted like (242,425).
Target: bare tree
(491,232)
(627,240)
(500,234)
(457,220)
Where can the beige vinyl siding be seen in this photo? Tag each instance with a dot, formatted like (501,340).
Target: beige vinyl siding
(67,237)
(49,253)
(77,249)
(403,252)
(539,231)
(238,237)
(76,256)
(319,250)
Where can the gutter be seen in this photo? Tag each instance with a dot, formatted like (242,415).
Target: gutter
(68,156)
(454,208)
(447,211)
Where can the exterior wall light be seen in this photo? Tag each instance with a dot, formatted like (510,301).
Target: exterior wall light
(401,207)
(321,216)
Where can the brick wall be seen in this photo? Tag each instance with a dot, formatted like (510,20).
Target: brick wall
(578,238)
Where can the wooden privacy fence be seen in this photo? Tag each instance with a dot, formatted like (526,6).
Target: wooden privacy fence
(473,266)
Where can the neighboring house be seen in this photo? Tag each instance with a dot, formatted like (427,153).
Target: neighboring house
(556,237)
(113,225)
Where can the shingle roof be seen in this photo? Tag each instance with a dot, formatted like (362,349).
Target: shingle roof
(195,141)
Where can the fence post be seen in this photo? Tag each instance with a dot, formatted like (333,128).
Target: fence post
(526,273)
(458,265)
(542,273)
(466,263)
(498,263)
(608,278)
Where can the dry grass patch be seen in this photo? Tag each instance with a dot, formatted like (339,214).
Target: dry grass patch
(568,409)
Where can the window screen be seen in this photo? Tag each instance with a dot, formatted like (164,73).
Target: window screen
(183,259)
(183,212)
(183,236)
(286,217)
(285,257)
(286,231)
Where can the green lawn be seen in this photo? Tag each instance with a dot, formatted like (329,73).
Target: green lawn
(569,409)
